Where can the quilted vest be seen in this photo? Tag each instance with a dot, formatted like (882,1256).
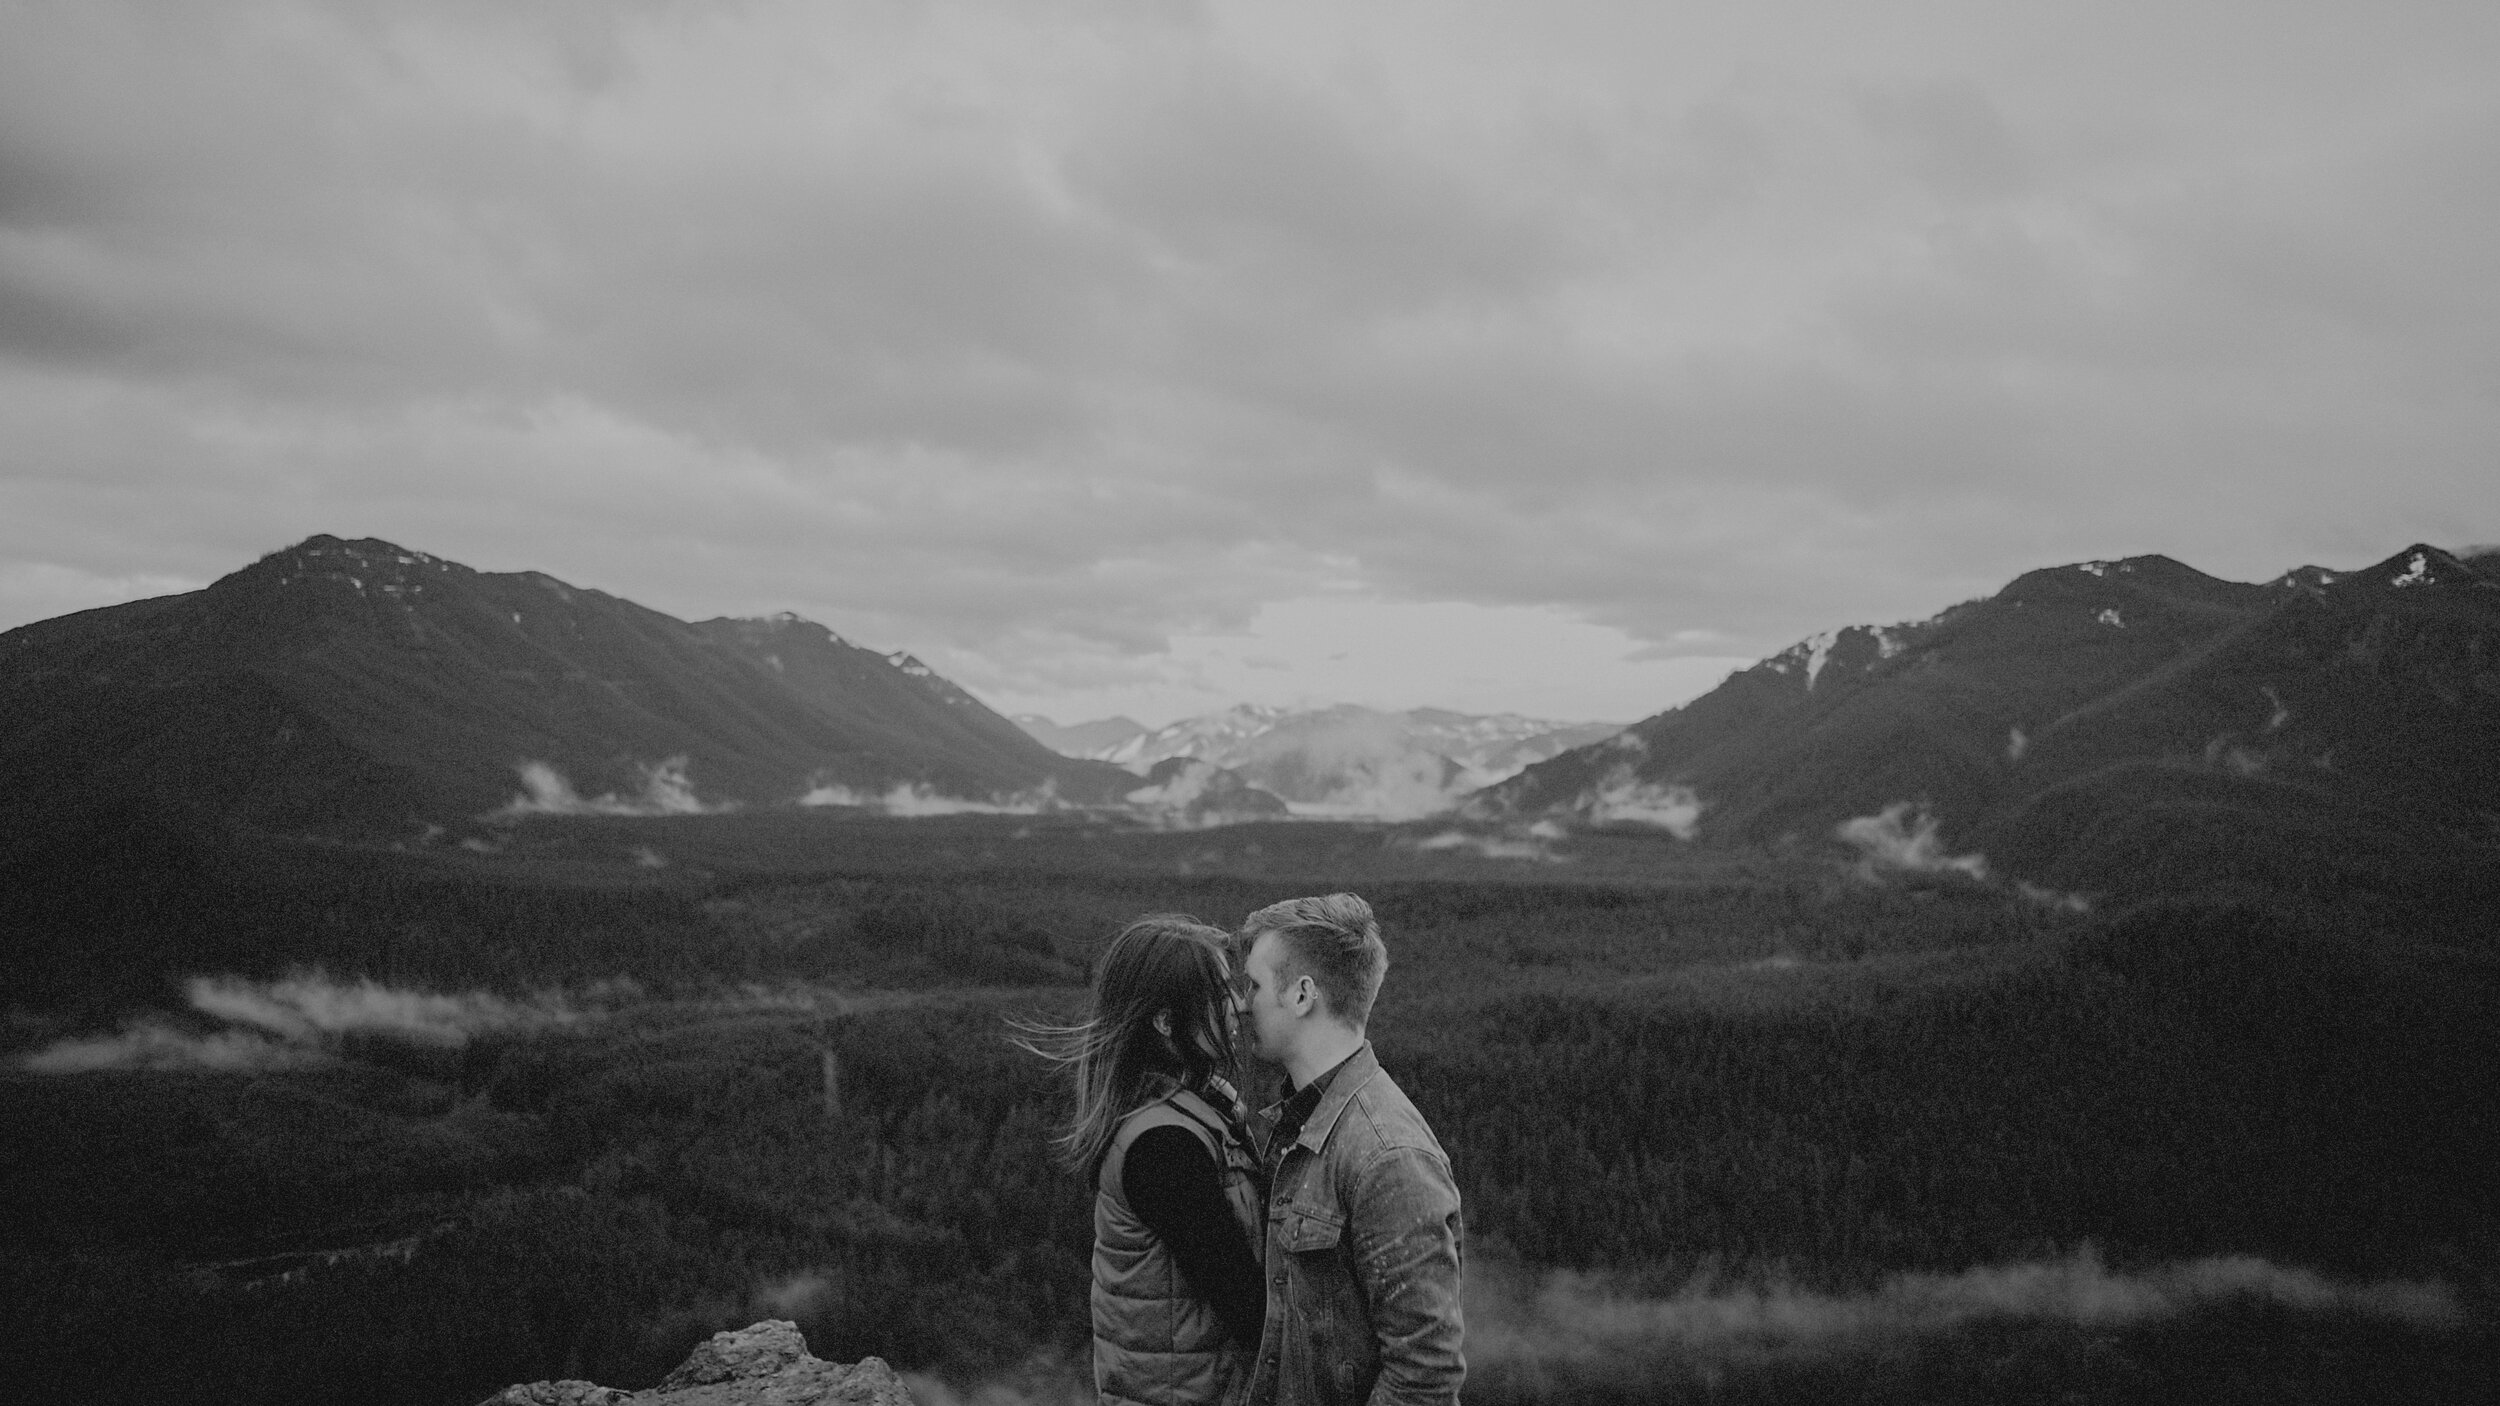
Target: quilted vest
(1155,1342)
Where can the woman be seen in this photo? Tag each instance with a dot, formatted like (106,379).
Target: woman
(1178,1296)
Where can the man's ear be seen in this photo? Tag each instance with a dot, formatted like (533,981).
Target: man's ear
(1163,1023)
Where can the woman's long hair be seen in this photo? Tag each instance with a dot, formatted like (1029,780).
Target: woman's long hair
(1165,967)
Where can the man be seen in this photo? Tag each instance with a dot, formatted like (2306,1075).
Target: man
(1362,1252)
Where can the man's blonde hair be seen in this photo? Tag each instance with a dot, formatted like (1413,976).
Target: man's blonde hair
(1335,941)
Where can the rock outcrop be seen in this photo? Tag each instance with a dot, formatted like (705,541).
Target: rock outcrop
(763,1364)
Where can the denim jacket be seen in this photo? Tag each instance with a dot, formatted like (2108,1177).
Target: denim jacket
(1362,1254)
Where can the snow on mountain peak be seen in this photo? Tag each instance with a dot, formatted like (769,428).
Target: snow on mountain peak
(2423,565)
(1351,760)
(1818,652)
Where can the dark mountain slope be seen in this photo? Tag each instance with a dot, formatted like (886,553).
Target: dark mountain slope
(1849,721)
(357,683)
(2094,725)
(903,705)
(2348,736)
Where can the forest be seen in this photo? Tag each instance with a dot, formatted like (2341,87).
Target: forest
(623,1104)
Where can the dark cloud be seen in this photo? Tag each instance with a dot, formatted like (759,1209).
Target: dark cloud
(1952,137)
(1264,187)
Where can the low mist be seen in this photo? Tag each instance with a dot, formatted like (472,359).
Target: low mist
(298,1022)
(1530,847)
(914,799)
(307,1009)
(666,790)
(1624,798)
(1902,836)
(1190,798)
(1401,786)
(153,1044)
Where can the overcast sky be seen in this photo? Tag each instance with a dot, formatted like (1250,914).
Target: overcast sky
(1150,356)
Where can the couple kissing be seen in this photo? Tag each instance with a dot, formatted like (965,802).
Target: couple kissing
(1307,1255)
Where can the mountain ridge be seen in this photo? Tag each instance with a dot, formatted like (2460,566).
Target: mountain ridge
(2352,714)
(358,684)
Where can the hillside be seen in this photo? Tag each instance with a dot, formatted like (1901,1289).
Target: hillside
(362,686)
(2104,726)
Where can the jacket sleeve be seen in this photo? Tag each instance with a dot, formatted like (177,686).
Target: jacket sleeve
(1406,1247)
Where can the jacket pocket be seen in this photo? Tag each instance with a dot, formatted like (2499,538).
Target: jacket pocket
(1305,1228)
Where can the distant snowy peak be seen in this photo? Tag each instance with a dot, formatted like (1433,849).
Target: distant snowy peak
(1239,734)
(1206,738)
(1345,759)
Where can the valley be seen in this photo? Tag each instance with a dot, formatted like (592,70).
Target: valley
(448,1120)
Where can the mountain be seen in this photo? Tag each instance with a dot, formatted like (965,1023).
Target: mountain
(1188,791)
(2105,726)
(1351,759)
(1091,739)
(361,685)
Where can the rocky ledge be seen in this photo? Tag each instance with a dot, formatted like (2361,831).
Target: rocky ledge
(762,1364)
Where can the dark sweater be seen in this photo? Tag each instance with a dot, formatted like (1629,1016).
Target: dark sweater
(1173,1186)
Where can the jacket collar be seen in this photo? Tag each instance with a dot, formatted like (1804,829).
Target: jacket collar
(1351,1076)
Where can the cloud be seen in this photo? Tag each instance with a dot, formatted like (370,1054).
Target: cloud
(914,799)
(1904,836)
(1531,846)
(2058,899)
(1622,797)
(1189,785)
(1036,339)
(307,1010)
(666,790)
(298,1022)
(150,1044)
